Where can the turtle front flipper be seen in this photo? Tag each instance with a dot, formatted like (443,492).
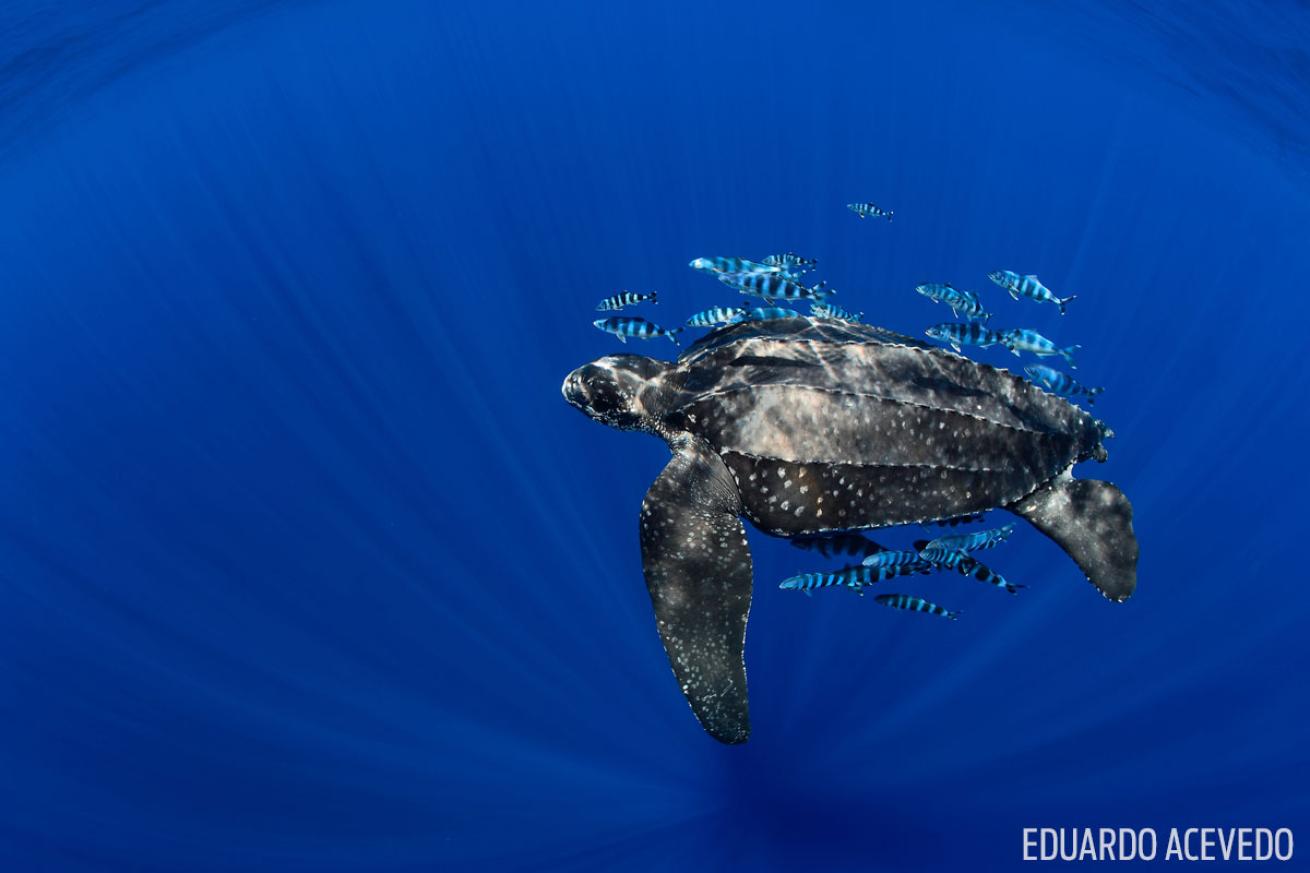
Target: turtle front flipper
(698,571)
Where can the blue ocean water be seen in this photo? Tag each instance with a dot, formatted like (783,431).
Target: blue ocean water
(306,566)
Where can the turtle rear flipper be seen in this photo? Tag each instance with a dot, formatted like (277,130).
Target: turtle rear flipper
(1093,522)
(698,572)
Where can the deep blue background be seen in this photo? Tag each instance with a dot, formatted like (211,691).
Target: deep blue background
(306,566)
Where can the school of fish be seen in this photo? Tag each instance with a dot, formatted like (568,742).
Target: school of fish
(779,278)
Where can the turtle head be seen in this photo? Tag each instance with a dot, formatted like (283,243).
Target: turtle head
(617,390)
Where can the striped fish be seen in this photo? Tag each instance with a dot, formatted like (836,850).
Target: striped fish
(1027,286)
(625,326)
(766,313)
(869,210)
(914,604)
(855,578)
(1022,339)
(732,265)
(1061,383)
(791,259)
(971,542)
(968,334)
(832,310)
(961,302)
(624,298)
(910,561)
(773,287)
(837,544)
(715,315)
(951,559)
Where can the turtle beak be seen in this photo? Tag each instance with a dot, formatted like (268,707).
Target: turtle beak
(574,389)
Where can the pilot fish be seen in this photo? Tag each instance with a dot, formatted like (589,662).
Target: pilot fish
(971,542)
(855,578)
(958,561)
(1021,339)
(765,313)
(969,334)
(792,260)
(914,604)
(773,286)
(831,310)
(1060,383)
(961,302)
(625,326)
(1027,286)
(732,265)
(624,298)
(715,315)
(869,210)
(909,560)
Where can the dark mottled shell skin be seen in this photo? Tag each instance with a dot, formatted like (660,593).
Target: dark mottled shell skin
(828,425)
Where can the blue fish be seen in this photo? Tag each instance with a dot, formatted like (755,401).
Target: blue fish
(869,210)
(968,334)
(715,315)
(791,260)
(766,313)
(961,302)
(831,310)
(624,298)
(625,326)
(774,286)
(732,265)
(1027,286)
(971,542)
(888,559)
(1021,339)
(856,577)
(914,604)
(1061,383)
(952,559)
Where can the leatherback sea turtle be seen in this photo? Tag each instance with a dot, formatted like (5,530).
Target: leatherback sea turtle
(807,426)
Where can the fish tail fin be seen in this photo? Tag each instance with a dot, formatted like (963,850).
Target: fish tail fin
(654,297)
(1068,354)
(953,615)
(1062,301)
(1013,587)
(672,334)
(1093,522)
(1091,394)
